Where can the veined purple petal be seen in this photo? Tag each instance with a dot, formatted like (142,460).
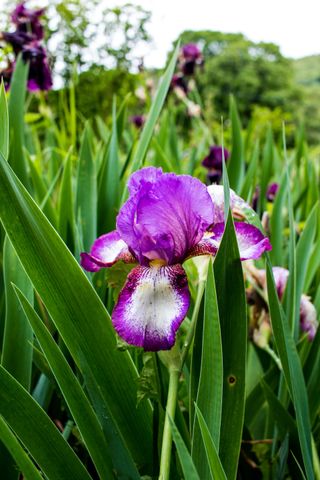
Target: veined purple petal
(142,177)
(206,246)
(106,250)
(165,219)
(151,306)
(251,242)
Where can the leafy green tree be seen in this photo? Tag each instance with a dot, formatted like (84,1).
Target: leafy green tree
(255,73)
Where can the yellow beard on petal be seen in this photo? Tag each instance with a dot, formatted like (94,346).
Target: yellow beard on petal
(158,262)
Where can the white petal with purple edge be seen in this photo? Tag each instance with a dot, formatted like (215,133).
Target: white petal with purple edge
(151,306)
(251,242)
(240,209)
(106,250)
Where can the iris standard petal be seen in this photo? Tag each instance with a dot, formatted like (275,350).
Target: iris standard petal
(151,306)
(142,177)
(240,209)
(173,213)
(106,250)
(251,242)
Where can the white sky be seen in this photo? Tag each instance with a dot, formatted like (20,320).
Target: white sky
(293,25)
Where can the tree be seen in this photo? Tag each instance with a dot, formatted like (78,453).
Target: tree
(255,73)
(85,34)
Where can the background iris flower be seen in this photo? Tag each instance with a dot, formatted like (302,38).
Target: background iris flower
(167,219)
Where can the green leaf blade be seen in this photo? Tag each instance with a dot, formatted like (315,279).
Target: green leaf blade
(77,402)
(233,320)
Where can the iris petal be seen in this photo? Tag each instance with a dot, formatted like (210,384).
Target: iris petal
(240,209)
(251,242)
(165,219)
(151,306)
(106,250)
(141,177)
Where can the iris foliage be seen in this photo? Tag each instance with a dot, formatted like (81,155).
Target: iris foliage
(76,402)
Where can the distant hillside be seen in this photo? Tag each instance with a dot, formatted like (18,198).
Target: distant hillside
(307,70)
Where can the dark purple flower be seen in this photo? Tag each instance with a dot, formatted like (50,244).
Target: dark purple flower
(191,51)
(39,71)
(190,57)
(178,81)
(18,40)
(137,120)
(214,159)
(272,191)
(188,67)
(213,162)
(28,20)
(165,221)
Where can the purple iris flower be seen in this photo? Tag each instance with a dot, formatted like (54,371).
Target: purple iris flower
(18,40)
(39,71)
(137,120)
(190,57)
(178,81)
(27,41)
(213,162)
(33,52)
(167,219)
(28,20)
(272,191)
(191,51)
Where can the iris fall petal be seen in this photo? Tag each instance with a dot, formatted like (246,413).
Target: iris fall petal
(151,306)
(251,242)
(106,250)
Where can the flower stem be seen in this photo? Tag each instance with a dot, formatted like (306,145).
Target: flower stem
(190,335)
(174,363)
(167,436)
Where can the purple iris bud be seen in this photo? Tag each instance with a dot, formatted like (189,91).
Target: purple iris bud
(213,162)
(167,219)
(272,191)
(137,120)
(39,71)
(27,20)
